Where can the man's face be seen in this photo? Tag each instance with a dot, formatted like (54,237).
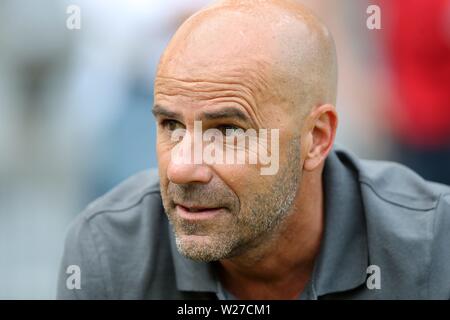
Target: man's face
(220,210)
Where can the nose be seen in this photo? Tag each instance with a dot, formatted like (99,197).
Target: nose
(183,170)
(188,173)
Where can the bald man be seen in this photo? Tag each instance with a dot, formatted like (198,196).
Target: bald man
(256,80)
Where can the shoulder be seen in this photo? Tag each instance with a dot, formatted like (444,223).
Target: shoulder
(407,221)
(126,196)
(118,238)
(131,210)
(394,184)
(133,205)
(395,197)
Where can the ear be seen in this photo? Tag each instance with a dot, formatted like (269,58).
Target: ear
(322,127)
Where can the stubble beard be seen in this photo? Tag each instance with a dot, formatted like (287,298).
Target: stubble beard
(235,233)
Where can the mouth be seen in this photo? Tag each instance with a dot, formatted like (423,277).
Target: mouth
(194,212)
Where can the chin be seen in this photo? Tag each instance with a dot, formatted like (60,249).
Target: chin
(202,247)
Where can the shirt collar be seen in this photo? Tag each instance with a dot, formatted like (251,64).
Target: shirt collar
(343,257)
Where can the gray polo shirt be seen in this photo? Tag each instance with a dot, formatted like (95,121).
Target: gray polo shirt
(387,236)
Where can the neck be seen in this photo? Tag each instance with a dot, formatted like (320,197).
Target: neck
(281,265)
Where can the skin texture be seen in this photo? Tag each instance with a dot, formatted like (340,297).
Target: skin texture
(275,62)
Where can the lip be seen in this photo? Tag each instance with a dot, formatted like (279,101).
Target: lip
(202,214)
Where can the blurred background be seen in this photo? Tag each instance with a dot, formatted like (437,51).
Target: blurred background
(75,107)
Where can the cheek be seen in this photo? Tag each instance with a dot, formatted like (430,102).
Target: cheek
(163,149)
(163,153)
(244,180)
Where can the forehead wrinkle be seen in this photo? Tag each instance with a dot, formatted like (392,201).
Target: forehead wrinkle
(212,90)
(221,96)
(251,73)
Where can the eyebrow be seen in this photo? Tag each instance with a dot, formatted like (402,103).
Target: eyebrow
(161,111)
(225,113)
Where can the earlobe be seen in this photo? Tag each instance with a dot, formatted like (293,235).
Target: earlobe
(322,135)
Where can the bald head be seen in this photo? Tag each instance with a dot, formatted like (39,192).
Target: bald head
(275,49)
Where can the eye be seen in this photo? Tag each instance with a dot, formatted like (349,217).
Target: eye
(171,125)
(230,130)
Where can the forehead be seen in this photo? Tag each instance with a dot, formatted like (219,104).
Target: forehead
(206,80)
(209,93)
(221,57)
(208,67)
(224,46)
(242,85)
